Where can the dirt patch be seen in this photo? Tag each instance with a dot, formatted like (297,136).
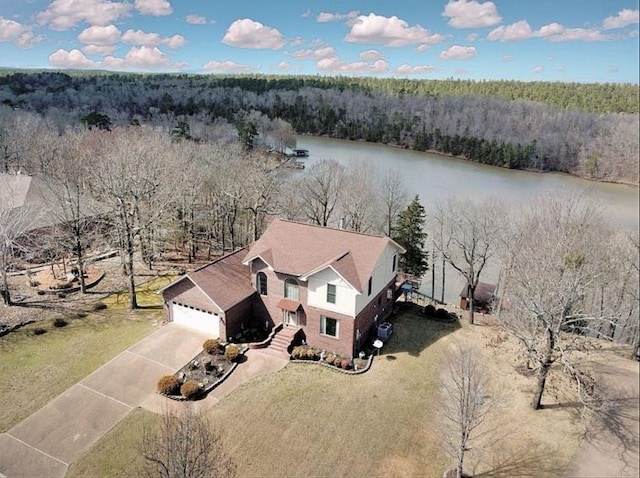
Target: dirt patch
(31,306)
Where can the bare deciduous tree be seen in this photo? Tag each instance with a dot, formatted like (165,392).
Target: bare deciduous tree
(554,282)
(466,236)
(130,177)
(468,401)
(394,198)
(184,445)
(16,220)
(359,202)
(321,190)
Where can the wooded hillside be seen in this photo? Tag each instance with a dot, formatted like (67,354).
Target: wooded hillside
(590,130)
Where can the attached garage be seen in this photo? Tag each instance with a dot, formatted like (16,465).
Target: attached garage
(196,319)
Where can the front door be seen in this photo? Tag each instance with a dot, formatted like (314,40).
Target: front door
(290,318)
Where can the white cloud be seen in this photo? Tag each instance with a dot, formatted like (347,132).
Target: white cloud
(561,68)
(157,8)
(113,62)
(471,37)
(141,38)
(336,65)
(226,66)
(146,57)
(612,69)
(538,69)
(515,32)
(390,32)
(246,33)
(379,66)
(71,59)
(284,66)
(21,35)
(102,50)
(371,55)
(98,35)
(622,19)
(65,14)
(506,58)
(194,19)
(406,69)
(554,32)
(317,54)
(457,52)
(471,14)
(324,17)
(175,42)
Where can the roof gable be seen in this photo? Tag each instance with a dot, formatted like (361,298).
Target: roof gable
(301,250)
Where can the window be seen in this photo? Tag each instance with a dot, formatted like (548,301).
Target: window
(331,293)
(370,286)
(291,289)
(395,260)
(328,326)
(261,283)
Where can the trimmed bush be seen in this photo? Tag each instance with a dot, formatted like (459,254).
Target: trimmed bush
(98,306)
(442,314)
(232,352)
(297,352)
(59,322)
(190,389)
(168,384)
(211,346)
(345,364)
(39,331)
(429,309)
(330,358)
(337,361)
(312,354)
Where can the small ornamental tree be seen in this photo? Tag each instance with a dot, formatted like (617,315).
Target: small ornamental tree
(409,233)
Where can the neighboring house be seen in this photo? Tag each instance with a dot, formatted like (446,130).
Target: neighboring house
(31,193)
(335,286)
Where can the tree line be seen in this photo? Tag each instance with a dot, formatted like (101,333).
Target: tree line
(497,123)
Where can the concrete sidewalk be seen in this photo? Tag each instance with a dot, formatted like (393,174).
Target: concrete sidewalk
(47,442)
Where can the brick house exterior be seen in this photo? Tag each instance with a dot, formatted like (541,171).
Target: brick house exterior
(334,285)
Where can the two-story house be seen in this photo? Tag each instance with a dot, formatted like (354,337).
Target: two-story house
(335,285)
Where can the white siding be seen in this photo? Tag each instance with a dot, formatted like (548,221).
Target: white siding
(383,274)
(317,293)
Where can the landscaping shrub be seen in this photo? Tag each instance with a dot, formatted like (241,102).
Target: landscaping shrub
(312,354)
(331,358)
(59,322)
(211,346)
(297,352)
(39,331)
(337,361)
(98,306)
(442,314)
(429,309)
(345,364)
(168,384)
(232,352)
(190,389)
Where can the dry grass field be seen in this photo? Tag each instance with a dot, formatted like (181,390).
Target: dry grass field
(308,421)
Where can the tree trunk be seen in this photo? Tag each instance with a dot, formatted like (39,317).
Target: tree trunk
(6,295)
(471,290)
(543,371)
(443,267)
(80,257)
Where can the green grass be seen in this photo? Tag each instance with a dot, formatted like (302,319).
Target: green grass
(311,421)
(36,368)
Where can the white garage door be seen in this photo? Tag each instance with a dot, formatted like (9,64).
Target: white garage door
(196,319)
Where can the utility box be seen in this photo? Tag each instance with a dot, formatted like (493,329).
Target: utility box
(385,329)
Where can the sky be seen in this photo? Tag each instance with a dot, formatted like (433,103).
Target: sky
(542,40)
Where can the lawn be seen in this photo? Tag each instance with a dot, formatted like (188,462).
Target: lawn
(309,421)
(36,368)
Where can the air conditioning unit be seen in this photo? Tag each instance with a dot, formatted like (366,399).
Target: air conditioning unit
(385,329)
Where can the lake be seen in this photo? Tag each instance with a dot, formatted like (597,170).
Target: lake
(437,178)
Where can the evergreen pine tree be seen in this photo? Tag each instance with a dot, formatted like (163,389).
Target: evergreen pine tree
(409,233)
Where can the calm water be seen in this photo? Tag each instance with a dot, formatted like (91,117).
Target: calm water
(436,178)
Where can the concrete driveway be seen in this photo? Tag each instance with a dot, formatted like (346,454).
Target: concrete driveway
(49,440)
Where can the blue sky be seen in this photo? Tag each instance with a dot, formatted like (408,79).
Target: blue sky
(545,40)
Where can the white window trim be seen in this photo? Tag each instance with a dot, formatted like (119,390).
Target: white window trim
(335,294)
(323,327)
